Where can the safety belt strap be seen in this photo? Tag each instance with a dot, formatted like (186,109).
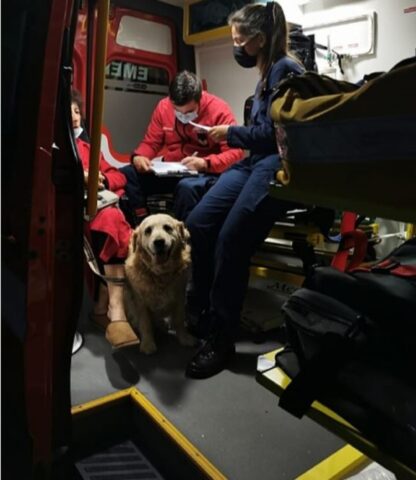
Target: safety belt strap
(351,238)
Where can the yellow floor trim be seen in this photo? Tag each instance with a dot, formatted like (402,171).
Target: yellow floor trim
(205,465)
(276,380)
(83,407)
(139,399)
(337,466)
(273,272)
(279,377)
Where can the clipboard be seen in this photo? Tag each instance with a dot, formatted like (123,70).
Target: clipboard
(171,169)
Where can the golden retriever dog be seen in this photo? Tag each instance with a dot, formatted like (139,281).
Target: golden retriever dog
(157,269)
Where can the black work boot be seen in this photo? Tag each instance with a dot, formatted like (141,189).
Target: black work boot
(198,322)
(212,357)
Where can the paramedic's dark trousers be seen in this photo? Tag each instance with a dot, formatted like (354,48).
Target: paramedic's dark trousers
(226,227)
(187,192)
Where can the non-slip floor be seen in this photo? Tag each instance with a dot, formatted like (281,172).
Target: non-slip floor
(236,423)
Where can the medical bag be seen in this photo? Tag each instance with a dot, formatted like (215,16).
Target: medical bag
(352,345)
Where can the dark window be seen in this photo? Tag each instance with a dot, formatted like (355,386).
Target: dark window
(208,14)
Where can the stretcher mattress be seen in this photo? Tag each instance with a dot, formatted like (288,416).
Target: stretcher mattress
(349,147)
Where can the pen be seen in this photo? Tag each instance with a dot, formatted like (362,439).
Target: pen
(193,155)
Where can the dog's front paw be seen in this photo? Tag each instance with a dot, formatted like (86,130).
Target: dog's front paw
(186,339)
(148,347)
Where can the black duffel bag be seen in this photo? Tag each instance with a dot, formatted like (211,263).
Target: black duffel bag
(352,345)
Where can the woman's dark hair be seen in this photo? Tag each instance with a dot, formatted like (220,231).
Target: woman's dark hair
(268,20)
(184,88)
(76,97)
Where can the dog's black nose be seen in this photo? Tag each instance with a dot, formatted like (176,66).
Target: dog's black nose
(159,245)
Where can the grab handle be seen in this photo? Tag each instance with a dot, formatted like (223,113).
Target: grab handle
(97,110)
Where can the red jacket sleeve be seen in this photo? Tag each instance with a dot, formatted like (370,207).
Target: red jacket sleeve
(221,161)
(116,180)
(154,138)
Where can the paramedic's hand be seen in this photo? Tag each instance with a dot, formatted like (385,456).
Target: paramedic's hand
(219,133)
(195,163)
(142,164)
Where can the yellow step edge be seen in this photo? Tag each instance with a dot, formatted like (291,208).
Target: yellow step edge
(198,458)
(83,407)
(278,376)
(337,466)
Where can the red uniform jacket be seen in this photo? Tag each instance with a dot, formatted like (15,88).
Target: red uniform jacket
(109,220)
(179,141)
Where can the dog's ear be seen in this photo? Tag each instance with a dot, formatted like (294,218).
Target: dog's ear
(183,232)
(134,240)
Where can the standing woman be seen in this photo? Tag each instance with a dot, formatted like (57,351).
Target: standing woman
(236,215)
(110,234)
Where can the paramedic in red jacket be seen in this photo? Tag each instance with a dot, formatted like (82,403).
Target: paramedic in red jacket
(110,235)
(171,134)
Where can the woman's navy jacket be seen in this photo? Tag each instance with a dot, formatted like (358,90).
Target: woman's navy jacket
(259,136)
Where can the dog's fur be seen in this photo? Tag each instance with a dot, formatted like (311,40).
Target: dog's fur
(157,269)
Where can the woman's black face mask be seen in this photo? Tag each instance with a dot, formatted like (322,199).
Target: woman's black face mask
(243,58)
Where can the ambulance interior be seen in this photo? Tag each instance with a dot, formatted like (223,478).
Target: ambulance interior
(234,421)
(124,415)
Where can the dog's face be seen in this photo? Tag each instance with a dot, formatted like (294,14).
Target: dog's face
(160,239)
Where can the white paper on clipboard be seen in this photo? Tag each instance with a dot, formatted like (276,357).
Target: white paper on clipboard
(162,169)
(202,127)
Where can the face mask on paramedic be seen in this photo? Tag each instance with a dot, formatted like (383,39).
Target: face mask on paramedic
(243,58)
(246,59)
(186,117)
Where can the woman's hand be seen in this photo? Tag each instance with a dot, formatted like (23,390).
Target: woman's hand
(219,133)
